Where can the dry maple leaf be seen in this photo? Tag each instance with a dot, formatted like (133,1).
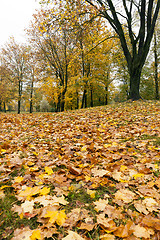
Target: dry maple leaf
(151,204)
(106,223)
(24,234)
(125,195)
(27,206)
(99,172)
(124,231)
(139,205)
(142,232)
(150,221)
(73,236)
(101,204)
(87,226)
(107,237)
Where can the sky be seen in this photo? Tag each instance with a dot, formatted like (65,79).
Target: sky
(15,15)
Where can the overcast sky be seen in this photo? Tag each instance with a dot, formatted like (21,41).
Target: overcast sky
(15,15)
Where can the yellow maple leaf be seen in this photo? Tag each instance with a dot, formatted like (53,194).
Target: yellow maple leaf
(36,235)
(18,179)
(91,193)
(44,191)
(138,175)
(56,216)
(29,192)
(48,170)
(87,178)
(61,218)
(123,168)
(52,215)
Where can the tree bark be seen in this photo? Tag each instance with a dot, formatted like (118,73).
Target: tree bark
(135,75)
(4,106)
(84,99)
(0,106)
(31,98)
(91,97)
(77,103)
(106,95)
(156,68)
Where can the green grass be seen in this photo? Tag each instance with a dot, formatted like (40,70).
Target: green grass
(10,220)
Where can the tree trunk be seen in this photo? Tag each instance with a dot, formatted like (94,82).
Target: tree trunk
(19,97)
(91,97)
(4,107)
(63,99)
(106,95)
(0,106)
(156,68)
(19,105)
(77,106)
(84,99)
(135,75)
(58,104)
(31,97)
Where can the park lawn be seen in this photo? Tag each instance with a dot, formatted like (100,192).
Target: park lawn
(84,174)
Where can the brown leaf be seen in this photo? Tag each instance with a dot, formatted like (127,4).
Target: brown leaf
(106,223)
(73,236)
(151,222)
(142,232)
(86,226)
(123,231)
(24,234)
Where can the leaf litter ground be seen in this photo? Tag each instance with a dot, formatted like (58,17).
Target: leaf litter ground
(85,174)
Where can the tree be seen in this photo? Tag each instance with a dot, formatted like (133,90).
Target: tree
(7,87)
(14,57)
(156,67)
(140,35)
(50,34)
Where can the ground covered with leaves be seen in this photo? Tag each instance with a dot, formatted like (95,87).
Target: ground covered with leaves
(81,175)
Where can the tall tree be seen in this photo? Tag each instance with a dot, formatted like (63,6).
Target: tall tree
(50,34)
(156,67)
(14,56)
(140,35)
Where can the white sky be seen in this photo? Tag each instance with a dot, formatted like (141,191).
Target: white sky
(15,15)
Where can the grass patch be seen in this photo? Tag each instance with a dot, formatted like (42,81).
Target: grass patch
(10,220)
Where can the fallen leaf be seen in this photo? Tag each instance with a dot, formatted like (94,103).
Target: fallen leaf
(91,193)
(142,232)
(73,236)
(101,204)
(27,206)
(24,233)
(125,195)
(107,237)
(36,234)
